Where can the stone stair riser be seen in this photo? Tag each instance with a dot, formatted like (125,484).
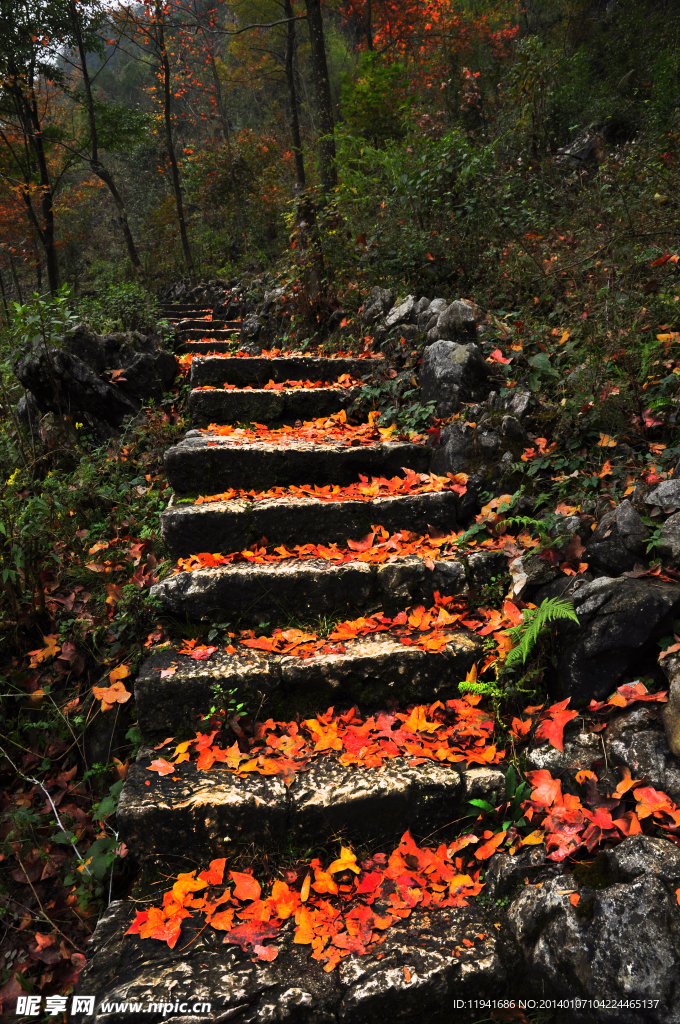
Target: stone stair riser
(234,525)
(219,406)
(198,333)
(370,673)
(204,461)
(322,802)
(248,594)
(258,370)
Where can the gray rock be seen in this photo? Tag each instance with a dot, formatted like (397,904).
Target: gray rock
(671,713)
(378,302)
(486,567)
(452,454)
(518,403)
(66,380)
(618,618)
(669,540)
(421,305)
(666,495)
(505,873)
(622,939)
(638,741)
(455,323)
(489,443)
(484,784)
(404,313)
(452,373)
(514,431)
(580,750)
(619,541)
(251,328)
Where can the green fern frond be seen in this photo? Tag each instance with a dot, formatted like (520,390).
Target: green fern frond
(525,635)
(485,689)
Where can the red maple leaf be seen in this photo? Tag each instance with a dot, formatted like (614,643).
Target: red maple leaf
(552,724)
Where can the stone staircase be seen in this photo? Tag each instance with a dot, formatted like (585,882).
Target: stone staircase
(434,961)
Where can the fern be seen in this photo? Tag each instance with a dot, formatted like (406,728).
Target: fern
(526,634)
(485,689)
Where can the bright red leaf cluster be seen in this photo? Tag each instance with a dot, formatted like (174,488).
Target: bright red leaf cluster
(345,381)
(451,733)
(332,430)
(341,908)
(364,490)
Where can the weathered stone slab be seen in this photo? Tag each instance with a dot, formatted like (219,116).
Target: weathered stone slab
(370,672)
(260,406)
(198,333)
(416,976)
(250,593)
(260,370)
(227,526)
(209,459)
(209,813)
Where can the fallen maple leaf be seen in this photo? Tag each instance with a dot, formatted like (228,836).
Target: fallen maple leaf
(161,766)
(247,887)
(552,725)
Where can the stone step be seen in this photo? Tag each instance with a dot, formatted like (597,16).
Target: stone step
(226,526)
(372,671)
(247,593)
(209,461)
(212,812)
(199,333)
(254,370)
(200,323)
(420,972)
(203,347)
(267,406)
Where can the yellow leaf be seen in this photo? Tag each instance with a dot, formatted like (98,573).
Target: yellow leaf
(565,336)
(345,862)
(533,839)
(606,441)
(120,672)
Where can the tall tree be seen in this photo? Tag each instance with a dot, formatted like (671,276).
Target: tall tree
(322,95)
(93,155)
(148,27)
(31,35)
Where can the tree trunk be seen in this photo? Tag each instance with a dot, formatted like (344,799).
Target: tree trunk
(176,186)
(46,233)
(97,167)
(292,94)
(368,26)
(322,92)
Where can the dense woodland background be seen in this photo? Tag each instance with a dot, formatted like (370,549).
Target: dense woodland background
(523,156)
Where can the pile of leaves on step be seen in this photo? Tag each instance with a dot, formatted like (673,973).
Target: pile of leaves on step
(364,490)
(343,382)
(348,907)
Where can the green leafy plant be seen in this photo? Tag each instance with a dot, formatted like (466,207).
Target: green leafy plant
(525,636)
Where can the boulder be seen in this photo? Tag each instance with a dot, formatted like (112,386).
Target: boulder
(518,403)
(671,713)
(512,429)
(669,540)
(619,541)
(622,938)
(452,373)
(455,323)
(637,740)
(620,622)
(452,454)
(378,302)
(67,379)
(404,313)
(666,495)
